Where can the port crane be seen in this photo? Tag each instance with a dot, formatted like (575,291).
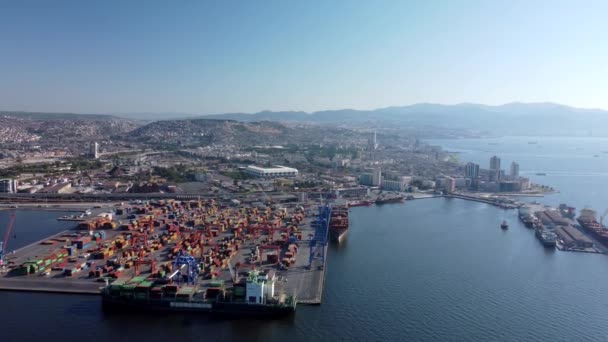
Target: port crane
(4,242)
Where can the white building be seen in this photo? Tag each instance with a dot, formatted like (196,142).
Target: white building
(396,185)
(94,150)
(277,171)
(8,186)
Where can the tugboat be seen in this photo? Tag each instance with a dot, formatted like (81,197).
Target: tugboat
(504,225)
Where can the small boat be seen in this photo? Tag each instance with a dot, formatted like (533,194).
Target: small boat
(504,225)
(541,174)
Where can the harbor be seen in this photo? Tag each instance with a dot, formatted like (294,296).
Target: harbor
(213,253)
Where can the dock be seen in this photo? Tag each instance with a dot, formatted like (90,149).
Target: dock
(303,278)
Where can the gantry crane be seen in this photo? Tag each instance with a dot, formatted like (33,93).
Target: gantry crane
(4,242)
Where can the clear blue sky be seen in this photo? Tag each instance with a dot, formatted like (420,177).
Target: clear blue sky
(233,56)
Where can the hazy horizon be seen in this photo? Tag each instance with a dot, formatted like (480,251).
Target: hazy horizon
(311,112)
(234,57)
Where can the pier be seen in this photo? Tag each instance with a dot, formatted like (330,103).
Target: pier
(303,277)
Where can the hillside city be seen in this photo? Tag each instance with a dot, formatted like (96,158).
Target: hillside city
(108,157)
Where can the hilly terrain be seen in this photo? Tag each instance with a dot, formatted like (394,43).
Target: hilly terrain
(512,118)
(44,128)
(203,132)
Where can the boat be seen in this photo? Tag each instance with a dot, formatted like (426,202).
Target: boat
(588,222)
(359,204)
(385,200)
(504,225)
(338,223)
(546,237)
(532,142)
(250,297)
(541,174)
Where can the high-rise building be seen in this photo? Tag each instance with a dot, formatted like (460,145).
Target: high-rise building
(494,163)
(471,170)
(372,142)
(377,177)
(94,150)
(514,170)
(8,186)
(450,184)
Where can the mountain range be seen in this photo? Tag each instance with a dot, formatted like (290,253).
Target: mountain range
(513,118)
(509,119)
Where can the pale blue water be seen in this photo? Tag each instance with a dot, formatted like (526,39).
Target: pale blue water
(571,164)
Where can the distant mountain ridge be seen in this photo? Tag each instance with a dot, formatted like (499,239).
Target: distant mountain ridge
(543,118)
(45,116)
(515,118)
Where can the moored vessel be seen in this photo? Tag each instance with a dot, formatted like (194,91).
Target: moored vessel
(251,296)
(338,223)
(546,237)
(385,200)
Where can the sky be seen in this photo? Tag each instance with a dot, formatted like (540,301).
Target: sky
(209,57)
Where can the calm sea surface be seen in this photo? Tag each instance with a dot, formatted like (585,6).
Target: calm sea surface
(577,167)
(426,270)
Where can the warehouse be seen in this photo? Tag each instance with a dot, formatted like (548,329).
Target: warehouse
(271,172)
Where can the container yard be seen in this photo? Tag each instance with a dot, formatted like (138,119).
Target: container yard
(183,255)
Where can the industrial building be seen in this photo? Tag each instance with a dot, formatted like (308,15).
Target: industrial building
(277,171)
(352,192)
(572,237)
(372,179)
(395,185)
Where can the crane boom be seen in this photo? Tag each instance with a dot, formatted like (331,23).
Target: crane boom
(6,235)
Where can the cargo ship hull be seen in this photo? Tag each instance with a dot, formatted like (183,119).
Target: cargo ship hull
(336,235)
(219,309)
(338,223)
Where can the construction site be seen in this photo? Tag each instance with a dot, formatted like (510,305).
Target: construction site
(168,249)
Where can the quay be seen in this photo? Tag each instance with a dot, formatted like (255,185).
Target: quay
(228,242)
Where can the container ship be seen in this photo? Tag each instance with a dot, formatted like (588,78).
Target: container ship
(386,200)
(252,296)
(338,223)
(587,220)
